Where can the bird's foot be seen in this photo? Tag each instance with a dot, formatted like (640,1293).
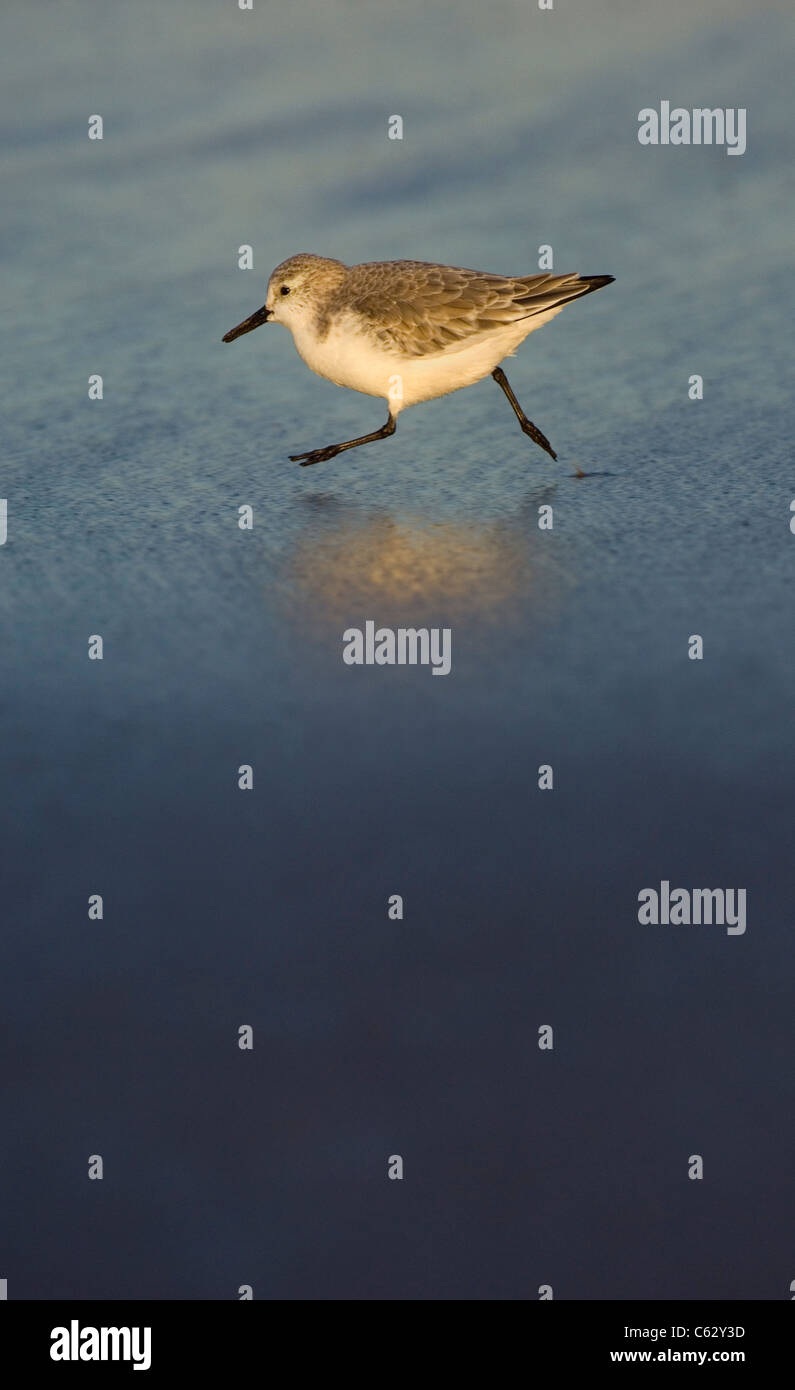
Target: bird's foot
(315,456)
(538,438)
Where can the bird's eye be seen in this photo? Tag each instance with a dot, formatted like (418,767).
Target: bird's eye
(285,289)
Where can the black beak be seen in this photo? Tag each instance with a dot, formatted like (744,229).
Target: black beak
(262,315)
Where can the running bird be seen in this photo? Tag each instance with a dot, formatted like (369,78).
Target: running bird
(408,330)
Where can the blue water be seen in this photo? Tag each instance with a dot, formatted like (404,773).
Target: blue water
(224,647)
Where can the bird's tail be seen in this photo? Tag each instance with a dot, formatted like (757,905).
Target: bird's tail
(542,294)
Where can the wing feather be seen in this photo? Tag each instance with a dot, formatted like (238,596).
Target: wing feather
(413,308)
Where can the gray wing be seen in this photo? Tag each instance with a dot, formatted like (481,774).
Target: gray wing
(413,308)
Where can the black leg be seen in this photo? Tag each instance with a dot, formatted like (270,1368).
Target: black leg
(320,455)
(527,425)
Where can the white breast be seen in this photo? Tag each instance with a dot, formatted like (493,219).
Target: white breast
(355,361)
(347,359)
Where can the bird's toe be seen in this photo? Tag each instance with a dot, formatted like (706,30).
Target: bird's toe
(314,456)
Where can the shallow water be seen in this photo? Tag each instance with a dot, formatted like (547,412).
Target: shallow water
(223,647)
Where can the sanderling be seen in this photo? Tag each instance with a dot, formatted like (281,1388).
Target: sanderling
(408,330)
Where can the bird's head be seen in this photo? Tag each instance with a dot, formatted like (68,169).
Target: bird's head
(296,291)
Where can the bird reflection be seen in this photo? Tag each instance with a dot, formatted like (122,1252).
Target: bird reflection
(408,570)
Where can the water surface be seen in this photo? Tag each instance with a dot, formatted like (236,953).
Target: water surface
(223,647)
